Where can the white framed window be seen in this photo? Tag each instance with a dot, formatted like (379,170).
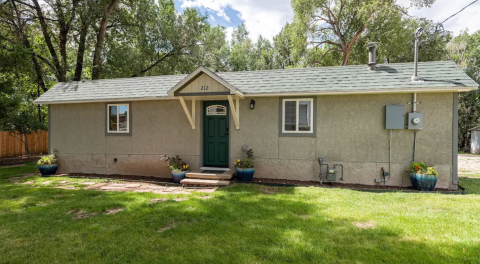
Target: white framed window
(216,110)
(297,115)
(118,117)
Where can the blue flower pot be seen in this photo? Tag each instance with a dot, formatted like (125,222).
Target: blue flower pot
(414,180)
(48,170)
(245,174)
(177,176)
(423,182)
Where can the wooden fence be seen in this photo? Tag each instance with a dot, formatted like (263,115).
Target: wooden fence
(13,147)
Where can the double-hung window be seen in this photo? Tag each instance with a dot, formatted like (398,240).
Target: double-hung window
(297,115)
(118,118)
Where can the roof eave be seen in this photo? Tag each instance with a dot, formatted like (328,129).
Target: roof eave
(332,92)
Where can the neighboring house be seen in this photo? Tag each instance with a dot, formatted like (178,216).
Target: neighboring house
(475,140)
(289,117)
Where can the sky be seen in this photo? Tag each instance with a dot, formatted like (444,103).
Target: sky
(267,17)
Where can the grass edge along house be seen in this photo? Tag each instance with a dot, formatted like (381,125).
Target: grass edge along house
(363,117)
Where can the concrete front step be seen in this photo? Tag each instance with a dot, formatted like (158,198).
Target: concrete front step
(204,182)
(220,175)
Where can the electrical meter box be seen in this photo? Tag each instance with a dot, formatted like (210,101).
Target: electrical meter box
(394,117)
(415,121)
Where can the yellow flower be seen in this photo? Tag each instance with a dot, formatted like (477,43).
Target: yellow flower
(234,163)
(238,160)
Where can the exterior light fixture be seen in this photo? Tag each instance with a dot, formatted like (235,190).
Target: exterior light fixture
(252,104)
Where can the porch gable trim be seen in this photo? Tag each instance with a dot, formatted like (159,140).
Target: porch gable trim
(192,76)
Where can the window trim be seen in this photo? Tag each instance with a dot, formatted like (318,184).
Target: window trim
(281,117)
(297,114)
(129,119)
(216,114)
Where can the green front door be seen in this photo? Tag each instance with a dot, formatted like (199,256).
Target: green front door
(215,133)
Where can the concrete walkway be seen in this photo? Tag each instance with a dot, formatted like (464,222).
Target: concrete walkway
(122,186)
(468,165)
(143,187)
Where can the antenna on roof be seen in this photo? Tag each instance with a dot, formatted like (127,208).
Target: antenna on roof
(418,33)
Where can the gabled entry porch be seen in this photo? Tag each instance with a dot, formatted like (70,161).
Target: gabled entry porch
(220,113)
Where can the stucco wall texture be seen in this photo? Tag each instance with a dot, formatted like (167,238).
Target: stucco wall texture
(350,131)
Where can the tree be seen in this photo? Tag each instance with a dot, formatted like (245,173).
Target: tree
(465,50)
(241,46)
(282,48)
(22,124)
(336,26)
(214,51)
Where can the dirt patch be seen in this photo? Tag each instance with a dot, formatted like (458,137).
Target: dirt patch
(304,216)
(180,199)
(271,190)
(166,227)
(158,200)
(366,225)
(28,175)
(18,160)
(65,187)
(113,211)
(79,214)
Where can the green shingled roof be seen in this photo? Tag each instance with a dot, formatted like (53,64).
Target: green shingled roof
(393,77)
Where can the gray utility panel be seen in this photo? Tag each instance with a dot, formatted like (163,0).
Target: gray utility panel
(415,120)
(394,117)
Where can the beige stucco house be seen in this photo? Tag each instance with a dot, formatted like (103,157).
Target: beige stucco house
(289,117)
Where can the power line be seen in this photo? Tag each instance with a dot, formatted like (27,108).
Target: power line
(459,11)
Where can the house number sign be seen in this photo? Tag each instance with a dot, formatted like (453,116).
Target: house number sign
(204,88)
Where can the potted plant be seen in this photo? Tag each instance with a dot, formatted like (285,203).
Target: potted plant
(48,165)
(245,167)
(178,167)
(423,177)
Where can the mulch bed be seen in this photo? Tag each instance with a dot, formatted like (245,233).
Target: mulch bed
(18,160)
(340,185)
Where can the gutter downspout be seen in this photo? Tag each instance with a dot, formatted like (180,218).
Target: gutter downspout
(455,140)
(414,109)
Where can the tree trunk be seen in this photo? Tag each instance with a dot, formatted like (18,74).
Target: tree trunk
(97,63)
(27,148)
(61,74)
(346,54)
(81,51)
(26,44)
(36,66)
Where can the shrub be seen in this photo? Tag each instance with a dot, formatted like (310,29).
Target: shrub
(422,168)
(48,160)
(176,164)
(246,162)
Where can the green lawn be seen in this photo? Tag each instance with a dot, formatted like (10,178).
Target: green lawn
(240,224)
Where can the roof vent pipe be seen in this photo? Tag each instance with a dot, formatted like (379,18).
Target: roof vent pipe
(372,52)
(418,33)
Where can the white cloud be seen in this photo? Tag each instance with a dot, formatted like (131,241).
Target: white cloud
(212,18)
(442,9)
(228,33)
(262,17)
(217,6)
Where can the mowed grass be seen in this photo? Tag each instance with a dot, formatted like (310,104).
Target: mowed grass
(239,224)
